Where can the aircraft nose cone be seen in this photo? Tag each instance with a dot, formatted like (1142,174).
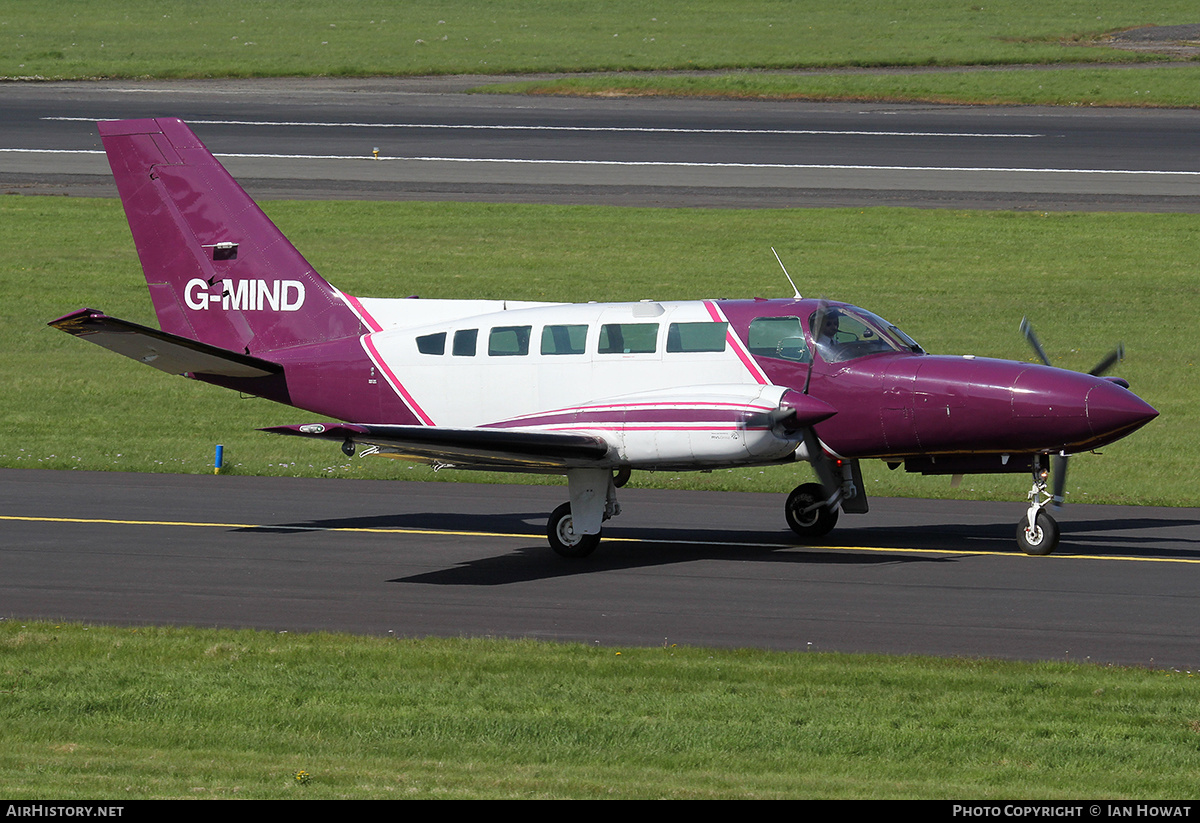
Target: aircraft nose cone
(1114,410)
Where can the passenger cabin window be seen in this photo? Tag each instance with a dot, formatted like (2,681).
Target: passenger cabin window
(780,337)
(464,342)
(628,338)
(696,337)
(563,339)
(509,341)
(432,343)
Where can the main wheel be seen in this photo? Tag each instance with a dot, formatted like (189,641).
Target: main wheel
(563,539)
(1042,538)
(816,523)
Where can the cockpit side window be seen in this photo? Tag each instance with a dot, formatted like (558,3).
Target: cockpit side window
(843,333)
(779,337)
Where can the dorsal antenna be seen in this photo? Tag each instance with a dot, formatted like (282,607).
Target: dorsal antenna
(796,291)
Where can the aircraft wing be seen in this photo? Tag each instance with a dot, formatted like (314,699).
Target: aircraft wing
(473,448)
(165,352)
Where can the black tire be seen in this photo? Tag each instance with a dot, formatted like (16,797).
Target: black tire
(816,523)
(1042,538)
(563,539)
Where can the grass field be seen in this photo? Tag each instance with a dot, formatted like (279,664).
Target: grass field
(959,282)
(124,713)
(1153,86)
(132,38)
(92,712)
(142,38)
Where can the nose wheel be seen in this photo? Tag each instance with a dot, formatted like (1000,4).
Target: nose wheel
(1037,533)
(1040,538)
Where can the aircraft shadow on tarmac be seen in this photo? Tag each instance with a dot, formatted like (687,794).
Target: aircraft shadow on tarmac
(537,562)
(514,523)
(639,547)
(1132,537)
(627,547)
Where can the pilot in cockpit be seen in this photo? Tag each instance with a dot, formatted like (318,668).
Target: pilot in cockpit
(825,337)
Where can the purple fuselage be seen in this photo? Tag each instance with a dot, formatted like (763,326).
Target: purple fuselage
(909,403)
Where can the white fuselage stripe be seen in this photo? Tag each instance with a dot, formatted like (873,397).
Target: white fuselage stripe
(393,381)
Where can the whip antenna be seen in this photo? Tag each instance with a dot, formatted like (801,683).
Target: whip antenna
(796,291)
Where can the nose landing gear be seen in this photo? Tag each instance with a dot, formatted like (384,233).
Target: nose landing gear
(1037,532)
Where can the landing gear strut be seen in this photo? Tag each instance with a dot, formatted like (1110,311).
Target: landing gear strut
(1037,533)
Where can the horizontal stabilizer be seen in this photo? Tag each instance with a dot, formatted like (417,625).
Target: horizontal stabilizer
(165,352)
(465,448)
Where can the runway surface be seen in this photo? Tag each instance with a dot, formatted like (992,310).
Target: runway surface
(701,568)
(316,139)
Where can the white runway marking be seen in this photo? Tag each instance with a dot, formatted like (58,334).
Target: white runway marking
(663,163)
(649,129)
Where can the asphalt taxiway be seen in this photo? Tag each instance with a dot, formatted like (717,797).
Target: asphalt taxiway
(701,568)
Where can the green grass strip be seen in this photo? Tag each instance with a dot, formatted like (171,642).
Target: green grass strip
(1162,86)
(91,712)
(232,38)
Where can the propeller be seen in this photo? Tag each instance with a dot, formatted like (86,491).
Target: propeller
(822,309)
(1111,359)
(1059,461)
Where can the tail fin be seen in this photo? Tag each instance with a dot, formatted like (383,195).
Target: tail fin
(218,269)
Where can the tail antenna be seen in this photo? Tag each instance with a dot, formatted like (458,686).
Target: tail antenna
(796,291)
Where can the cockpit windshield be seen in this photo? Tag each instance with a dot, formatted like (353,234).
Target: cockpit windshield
(842,333)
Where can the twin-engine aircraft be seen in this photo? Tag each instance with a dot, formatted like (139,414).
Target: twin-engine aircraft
(593,391)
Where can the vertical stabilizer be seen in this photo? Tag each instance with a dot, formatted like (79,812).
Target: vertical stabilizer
(218,269)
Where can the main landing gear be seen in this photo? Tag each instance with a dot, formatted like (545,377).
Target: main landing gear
(808,513)
(574,528)
(1037,532)
(812,508)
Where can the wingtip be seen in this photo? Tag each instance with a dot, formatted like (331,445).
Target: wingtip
(73,319)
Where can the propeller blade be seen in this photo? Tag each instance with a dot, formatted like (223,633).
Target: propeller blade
(818,322)
(1115,356)
(819,317)
(1027,330)
(831,484)
(1059,480)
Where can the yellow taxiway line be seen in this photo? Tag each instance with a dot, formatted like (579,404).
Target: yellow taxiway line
(456,533)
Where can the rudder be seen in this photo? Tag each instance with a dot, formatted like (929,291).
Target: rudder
(219,271)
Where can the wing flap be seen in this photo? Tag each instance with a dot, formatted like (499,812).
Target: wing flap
(166,352)
(501,449)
